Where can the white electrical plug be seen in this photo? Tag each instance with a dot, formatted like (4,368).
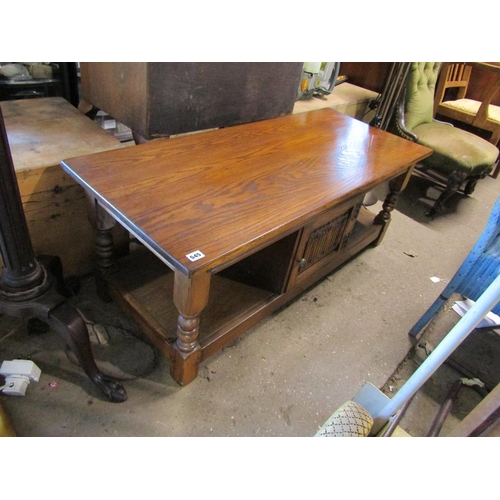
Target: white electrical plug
(18,374)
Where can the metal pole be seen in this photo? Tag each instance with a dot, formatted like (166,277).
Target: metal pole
(390,95)
(453,339)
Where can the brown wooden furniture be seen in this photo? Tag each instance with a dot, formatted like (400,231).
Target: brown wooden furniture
(236,222)
(479,113)
(460,158)
(369,75)
(161,99)
(40,133)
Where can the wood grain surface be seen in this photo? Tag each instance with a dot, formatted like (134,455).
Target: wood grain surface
(230,191)
(159,99)
(41,132)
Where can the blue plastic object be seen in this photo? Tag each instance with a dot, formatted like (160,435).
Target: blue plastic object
(477,272)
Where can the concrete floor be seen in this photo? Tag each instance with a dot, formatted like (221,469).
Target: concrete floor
(285,376)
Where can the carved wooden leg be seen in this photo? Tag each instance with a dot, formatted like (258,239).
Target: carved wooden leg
(454,182)
(190,298)
(383,218)
(104,249)
(103,225)
(470,187)
(66,321)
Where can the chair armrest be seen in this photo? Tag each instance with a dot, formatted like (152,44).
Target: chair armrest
(482,113)
(441,85)
(401,128)
(489,92)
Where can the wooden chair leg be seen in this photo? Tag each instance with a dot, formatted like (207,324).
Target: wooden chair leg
(454,182)
(470,186)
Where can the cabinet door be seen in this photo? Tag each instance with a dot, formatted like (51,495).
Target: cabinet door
(324,238)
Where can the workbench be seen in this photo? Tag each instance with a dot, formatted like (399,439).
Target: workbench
(41,132)
(234,223)
(346,98)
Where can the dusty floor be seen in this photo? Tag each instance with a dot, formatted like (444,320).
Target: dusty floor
(285,376)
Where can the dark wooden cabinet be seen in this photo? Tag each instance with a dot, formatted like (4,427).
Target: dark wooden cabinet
(164,99)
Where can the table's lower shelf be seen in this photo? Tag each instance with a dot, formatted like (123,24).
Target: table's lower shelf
(143,286)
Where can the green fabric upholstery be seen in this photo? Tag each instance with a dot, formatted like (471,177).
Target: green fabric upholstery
(461,156)
(419,99)
(454,148)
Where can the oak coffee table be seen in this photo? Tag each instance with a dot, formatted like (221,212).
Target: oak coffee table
(236,222)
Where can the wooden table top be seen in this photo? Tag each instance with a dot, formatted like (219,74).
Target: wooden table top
(228,192)
(43,131)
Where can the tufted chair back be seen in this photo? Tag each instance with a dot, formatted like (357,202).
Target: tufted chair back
(419,99)
(459,157)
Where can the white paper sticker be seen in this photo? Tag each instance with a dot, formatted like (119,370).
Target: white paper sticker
(195,255)
(108,124)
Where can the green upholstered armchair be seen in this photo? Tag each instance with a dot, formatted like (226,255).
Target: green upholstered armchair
(460,156)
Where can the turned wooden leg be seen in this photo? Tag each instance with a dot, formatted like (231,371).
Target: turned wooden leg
(383,218)
(454,182)
(104,249)
(103,225)
(190,298)
(470,187)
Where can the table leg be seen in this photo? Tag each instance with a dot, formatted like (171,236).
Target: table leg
(190,298)
(384,216)
(103,225)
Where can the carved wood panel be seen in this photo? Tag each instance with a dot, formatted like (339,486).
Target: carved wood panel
(324,237)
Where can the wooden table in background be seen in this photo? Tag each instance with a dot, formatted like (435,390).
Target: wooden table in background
(41,132)
(236,222)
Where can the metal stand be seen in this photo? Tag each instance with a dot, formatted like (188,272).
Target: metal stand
(28,288)
(382,408)
(388,99)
